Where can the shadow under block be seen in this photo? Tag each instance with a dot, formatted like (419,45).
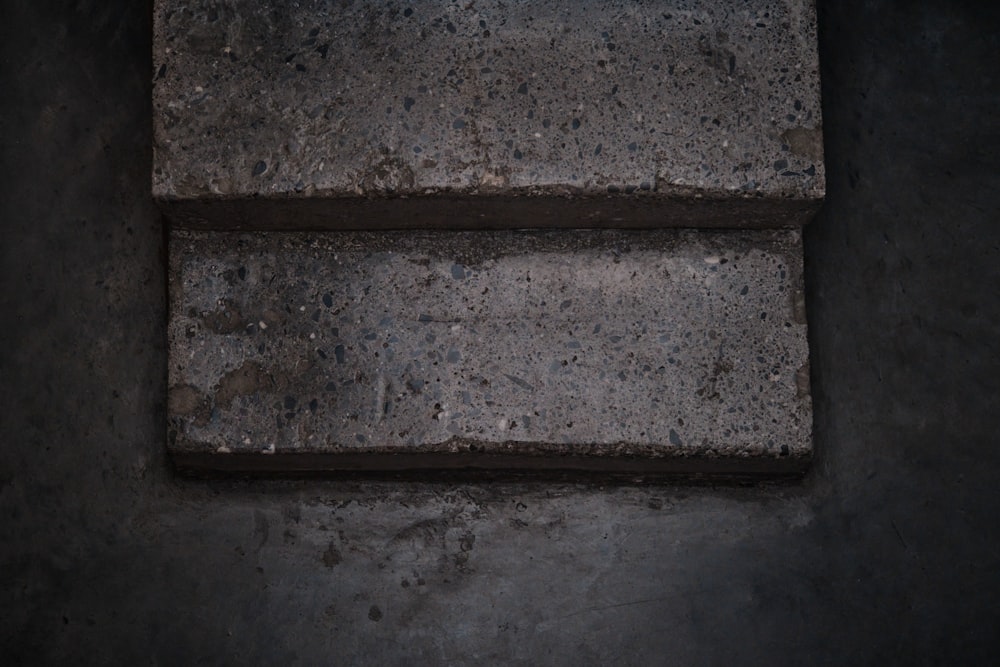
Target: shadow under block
(660,351)
(487,114)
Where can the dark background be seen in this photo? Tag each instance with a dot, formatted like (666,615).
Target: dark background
(888,553)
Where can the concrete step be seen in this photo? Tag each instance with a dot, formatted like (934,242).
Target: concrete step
(486,114)
(660,351)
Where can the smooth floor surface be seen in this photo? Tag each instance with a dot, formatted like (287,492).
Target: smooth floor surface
(888,553)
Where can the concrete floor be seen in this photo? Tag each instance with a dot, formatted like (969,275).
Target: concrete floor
(888,553)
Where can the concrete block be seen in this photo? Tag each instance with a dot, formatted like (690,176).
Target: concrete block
(481,114)
(617,351)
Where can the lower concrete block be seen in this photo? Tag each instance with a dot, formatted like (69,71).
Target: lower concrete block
(624,352)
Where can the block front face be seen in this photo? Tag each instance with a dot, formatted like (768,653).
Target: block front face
(599,345)
(381,99)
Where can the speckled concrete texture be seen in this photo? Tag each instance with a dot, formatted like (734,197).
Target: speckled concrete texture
(887,553)
(597,344)
(543,100)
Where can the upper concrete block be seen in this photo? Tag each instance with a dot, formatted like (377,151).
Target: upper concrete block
(399,114)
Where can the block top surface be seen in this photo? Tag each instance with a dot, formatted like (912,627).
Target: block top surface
(361,98)
(644,347)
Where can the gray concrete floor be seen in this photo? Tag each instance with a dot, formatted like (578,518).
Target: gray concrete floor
(888,553)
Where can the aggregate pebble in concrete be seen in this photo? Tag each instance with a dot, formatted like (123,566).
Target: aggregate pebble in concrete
(542,100)
(496,349)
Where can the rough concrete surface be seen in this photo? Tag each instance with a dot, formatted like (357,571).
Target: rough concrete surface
(510,346)
(648,103)
(888,553)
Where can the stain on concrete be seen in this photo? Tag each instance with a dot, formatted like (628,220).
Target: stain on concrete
(184,400)
(249,378)
(805,141)
(225,320)
(331,557)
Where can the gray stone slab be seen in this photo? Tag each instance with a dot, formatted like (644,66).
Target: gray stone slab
(392,114)
(668,350)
